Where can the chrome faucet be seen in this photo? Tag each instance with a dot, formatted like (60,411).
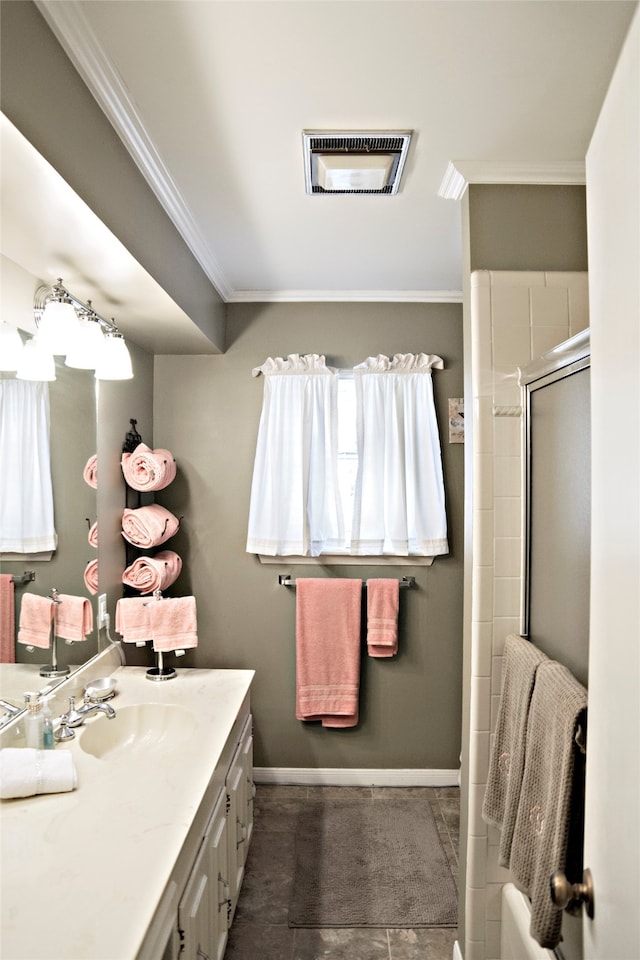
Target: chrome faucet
(75,717)
(10,708)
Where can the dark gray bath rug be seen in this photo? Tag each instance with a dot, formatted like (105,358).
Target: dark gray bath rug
(371,863)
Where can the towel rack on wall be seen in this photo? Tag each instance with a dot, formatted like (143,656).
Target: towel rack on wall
(287,581)
(25,577)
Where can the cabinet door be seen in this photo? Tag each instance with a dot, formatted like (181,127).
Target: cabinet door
(240,810)
(194,911)
(217,841)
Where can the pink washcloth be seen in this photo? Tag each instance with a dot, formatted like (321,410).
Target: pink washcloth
(7,619)
(91,577)
(132,619)
(90,472)
(148,526)
(174,623)
(328,651)
(147,574)
(73,618)
(382,617)
(36,616)
(146,469)
(93,535)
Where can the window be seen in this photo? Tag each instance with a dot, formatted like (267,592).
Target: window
(348,463)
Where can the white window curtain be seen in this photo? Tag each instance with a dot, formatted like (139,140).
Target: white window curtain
(26,491)
(399,506)
(295,507)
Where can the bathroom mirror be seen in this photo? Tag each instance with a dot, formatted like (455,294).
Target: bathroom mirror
(73,426)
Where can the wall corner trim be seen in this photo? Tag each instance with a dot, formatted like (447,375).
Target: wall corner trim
(460,173)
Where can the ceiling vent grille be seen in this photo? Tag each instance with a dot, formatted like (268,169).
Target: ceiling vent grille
(356,162)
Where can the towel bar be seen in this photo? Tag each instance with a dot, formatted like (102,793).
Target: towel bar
(25,577)
(285,580)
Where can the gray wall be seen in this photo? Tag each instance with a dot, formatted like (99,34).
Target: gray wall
(527,227)
(206,412)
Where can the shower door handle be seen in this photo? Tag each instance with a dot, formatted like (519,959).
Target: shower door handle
(571,896)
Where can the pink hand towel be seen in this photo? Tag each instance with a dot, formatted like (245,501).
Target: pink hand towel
(173,623)
(7,619)
(147,469)
(91,577)
(147,574)
(132,619)
(36,617)
(328,651)
(90,472)
(73,618)
(148,526)
(382,617)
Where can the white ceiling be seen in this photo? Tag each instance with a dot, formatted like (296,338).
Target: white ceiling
(212,96)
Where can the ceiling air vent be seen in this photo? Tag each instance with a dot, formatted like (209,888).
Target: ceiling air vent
(358,162)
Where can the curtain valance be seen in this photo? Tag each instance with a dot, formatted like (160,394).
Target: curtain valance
(398,501)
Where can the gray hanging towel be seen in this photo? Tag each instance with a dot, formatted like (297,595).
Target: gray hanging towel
(552,795)
(506,765)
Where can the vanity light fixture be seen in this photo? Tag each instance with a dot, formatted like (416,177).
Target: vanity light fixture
(71,328)
(10,347)
(36,362)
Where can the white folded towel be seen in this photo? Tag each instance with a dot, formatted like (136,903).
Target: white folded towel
(25,772)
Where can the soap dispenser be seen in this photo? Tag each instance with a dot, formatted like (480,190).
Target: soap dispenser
(48,743)
(34,721)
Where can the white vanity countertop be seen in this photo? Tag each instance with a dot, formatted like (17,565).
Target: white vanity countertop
(82,872)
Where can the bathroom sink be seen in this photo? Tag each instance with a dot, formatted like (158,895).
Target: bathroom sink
(144,729)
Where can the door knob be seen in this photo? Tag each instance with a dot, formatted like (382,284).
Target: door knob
(572,895)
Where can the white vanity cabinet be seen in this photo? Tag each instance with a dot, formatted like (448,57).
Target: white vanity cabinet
(196,912)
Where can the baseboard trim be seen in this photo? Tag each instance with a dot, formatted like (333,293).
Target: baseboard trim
(341,777)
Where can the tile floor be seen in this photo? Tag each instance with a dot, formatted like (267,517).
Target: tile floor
(260,930)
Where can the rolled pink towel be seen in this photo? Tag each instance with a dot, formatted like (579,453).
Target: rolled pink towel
(132,619)
(36,617)
(93,535)
(90,472)
(173,623)
(147,574)
(147,469)
(149,526)
(91,577)
(74,618)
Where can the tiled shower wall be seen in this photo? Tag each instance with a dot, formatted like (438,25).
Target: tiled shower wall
(515,318)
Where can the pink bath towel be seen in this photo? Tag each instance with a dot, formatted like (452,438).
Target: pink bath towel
(328,651)
(382,617)
(132,619)
(36,617)
(147,574)
(174,623)
(148,526)
(147,469)
(7,619)
(90,472)
(91,577)
(73,618)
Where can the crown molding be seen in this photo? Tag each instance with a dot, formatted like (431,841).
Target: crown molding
(70,26)
(346,296)
(460,173)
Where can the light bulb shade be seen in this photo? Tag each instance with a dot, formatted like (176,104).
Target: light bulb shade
(10,347)
(115,361)
(58,327)
(36,363)
(88,344)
